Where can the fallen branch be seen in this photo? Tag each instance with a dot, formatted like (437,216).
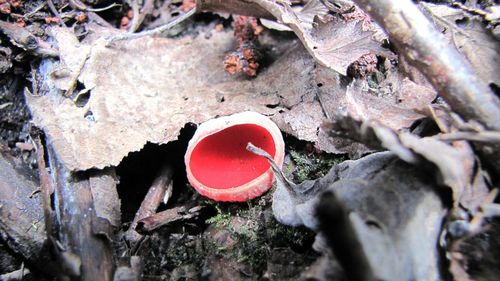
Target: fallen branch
(151,201)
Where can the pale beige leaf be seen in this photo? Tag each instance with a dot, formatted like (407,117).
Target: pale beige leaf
(147,90)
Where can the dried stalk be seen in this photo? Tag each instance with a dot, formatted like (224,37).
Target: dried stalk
(154,31)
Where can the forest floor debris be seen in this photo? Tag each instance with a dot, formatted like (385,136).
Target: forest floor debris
(99,112)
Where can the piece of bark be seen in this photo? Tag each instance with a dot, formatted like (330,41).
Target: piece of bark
(82,249)
(21,216)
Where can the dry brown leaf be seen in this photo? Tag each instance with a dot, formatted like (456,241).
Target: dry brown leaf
(394,110)
(337,44)
(334,43)
(455,163)
(313,9)
(471,38)
(146,90)
(305,14)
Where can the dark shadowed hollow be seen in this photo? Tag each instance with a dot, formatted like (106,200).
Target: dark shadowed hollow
(137,171)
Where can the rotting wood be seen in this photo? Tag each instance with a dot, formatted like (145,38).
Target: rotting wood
(21,216)
(85,248)
(157,220)
(150,203)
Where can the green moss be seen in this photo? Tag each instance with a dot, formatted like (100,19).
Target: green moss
(221,219)
(281,235)
(311,166)
(255,232)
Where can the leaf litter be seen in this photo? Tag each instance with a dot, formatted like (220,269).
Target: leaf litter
(136,96)
(99,103)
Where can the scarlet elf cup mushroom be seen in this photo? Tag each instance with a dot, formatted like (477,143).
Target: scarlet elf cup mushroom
(219,166)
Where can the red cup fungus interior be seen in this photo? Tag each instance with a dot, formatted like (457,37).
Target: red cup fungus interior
(221,160)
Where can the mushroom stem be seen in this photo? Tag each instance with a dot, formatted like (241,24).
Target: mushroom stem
(280,176)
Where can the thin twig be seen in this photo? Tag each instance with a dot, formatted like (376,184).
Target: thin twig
(277,171)
(160,29)
(152,200)
(439,122)
(45,184)
(157,220)
(53,9)
(76,4)
(484,136)
(477,220)
(29,14)
(473,11)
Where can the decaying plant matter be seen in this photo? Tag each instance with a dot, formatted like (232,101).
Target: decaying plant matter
(247,55)
(407,97)
(451,75)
